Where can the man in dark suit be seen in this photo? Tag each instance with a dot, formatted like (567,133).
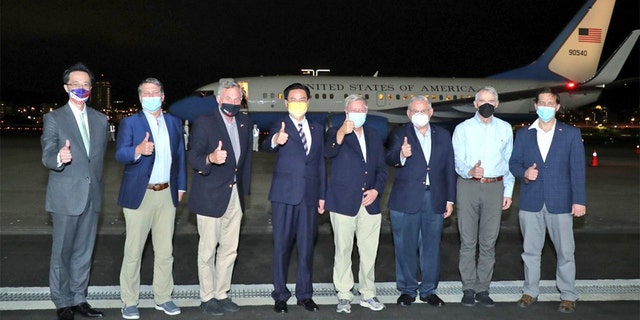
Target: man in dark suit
(297,193)
(151,147)
(422,196)
(74,140)
(356,182)
(220,154)
(548,159)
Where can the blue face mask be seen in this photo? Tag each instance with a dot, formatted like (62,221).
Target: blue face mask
(358,118)
(151,104)
(546,113)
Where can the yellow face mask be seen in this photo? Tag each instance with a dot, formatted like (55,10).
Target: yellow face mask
(297,108)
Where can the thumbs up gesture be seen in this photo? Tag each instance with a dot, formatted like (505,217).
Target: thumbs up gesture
(405,149)
(347,125)
(145,147)
(532,173)
(218,156)
(281,137)
(65,153)
(477,171)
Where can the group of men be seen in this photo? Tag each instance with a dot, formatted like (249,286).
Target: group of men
(474,170)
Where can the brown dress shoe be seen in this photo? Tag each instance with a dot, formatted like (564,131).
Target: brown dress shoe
(567,306)
(526,300)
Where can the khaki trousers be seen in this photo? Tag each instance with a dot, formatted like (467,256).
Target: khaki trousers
(215,265)
(156,214)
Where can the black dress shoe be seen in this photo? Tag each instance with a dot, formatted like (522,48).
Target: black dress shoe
(405,300)
(433,300)
(86,311)
(308,304)
(65,313)
(280,306)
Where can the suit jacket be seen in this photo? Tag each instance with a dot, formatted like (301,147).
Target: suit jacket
(297,178)
(350,175)
(409,183)
(211,184)
(135,177)
(71,185)
(561,178)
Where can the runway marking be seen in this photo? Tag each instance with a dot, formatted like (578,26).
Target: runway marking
(35,298)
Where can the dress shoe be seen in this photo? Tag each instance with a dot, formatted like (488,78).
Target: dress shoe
(86,311)
(567,306)
(308,304)
(405,300)
(65,313)
(433,300)
(280,306)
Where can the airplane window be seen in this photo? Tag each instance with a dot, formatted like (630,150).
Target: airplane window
(324,96)
(280,96)
(264,95)
(389,96)
(366,96)
(317,95)
(331,96)
(273,95)
(345,95)
(380,96)
(455,97)
(448,98)
(404,96)
(434,97)
(397,97)
(440,97)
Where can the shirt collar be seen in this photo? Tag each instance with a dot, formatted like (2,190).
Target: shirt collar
(536,126)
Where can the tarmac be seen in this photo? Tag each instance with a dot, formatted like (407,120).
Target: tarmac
(607,250)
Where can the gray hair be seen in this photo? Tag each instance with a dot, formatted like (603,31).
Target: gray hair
(420,98)
(354,97)
(489,89)
(228,83)
(152,81)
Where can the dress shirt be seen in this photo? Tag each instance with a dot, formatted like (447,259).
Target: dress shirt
(161,172)
(232,130)
(362,142)
(544,138)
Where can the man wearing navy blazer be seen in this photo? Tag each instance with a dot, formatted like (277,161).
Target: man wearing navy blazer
(220,155)
(296,194)
(151,148)
(422,196)
(74,140)
(548,159)
(356,182)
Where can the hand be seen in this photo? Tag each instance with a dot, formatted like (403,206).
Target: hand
(506,203)
(578,210)
(347,125)
(477,171)
(65,153)
(218,156)
(369,196)
(281,137)
(532,173)
(321,206)
(449,210)
(145,147)
(405,149)
(180,194)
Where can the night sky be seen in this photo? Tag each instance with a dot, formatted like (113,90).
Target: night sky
(187,44)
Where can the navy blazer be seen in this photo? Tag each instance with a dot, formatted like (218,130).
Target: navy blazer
(211,184)
(297,178)
(350,175)
(408,188)
(135,178)
(561,178)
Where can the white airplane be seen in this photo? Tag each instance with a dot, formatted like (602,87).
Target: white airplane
(569,65)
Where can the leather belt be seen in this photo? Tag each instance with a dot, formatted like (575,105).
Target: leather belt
(487,180)
(158,186)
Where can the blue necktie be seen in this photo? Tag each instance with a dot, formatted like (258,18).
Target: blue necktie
(303,138)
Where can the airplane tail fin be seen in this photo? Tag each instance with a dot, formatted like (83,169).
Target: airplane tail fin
(574,55)
(610,70)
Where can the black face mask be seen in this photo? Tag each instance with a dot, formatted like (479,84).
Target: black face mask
(486,110)
(230,109)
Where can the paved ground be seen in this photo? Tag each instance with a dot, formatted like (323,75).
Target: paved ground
(608,243)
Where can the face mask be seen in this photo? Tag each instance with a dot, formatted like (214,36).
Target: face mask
(151,104)
(420,119)
(79,94)
(297,109)
(486,110)
(358,118)
(230,109)
(546,113)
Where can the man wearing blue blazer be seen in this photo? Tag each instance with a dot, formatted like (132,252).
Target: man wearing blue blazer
(220,155)
(296,194)
(422,196)
(151,148)
(356,182)
(548,159)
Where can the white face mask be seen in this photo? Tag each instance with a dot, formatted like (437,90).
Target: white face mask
(420,119)
(358,118)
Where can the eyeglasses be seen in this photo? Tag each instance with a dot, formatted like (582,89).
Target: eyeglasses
(76,85)
(415,111)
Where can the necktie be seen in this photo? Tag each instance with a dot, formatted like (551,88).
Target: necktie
(84,132)
(303,138)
